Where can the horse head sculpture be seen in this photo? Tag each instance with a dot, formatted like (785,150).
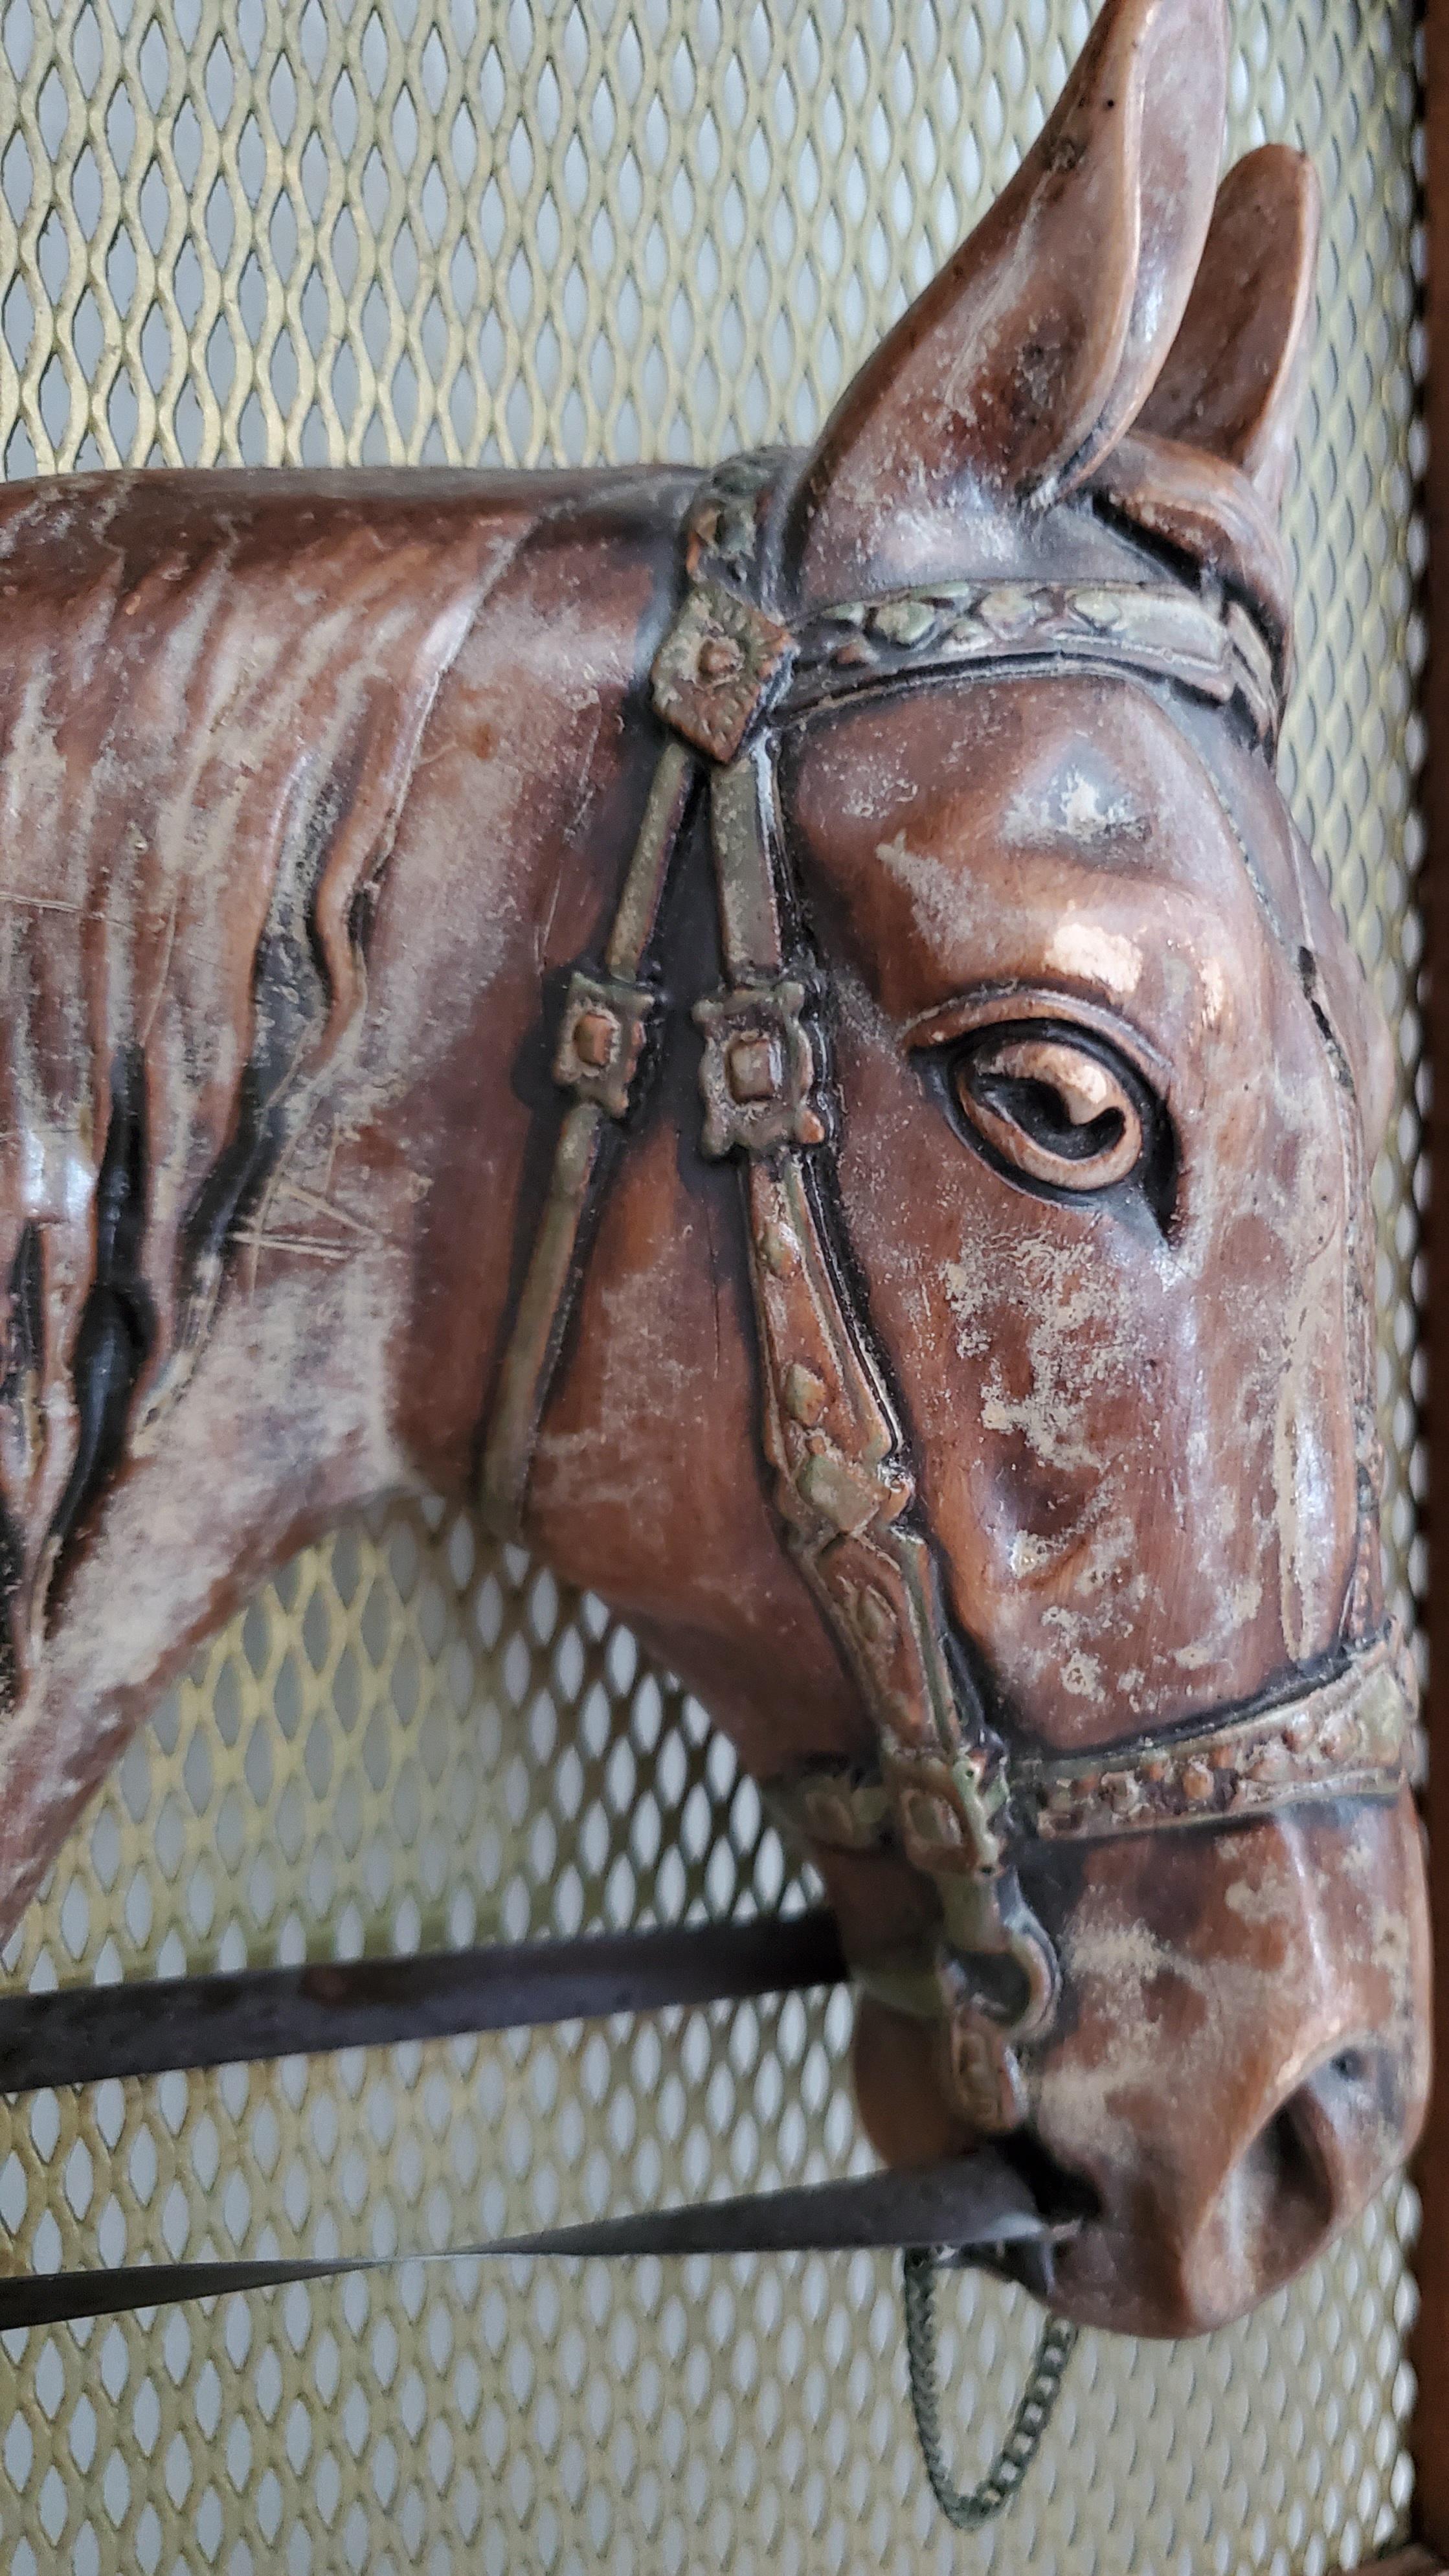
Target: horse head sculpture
(390,863)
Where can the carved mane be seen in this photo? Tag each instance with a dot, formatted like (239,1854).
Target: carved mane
(174,763)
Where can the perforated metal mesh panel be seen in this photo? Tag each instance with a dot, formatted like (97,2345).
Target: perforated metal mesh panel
(503,229)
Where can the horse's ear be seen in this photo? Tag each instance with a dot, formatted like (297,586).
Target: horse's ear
(1035,347)
(1234,377)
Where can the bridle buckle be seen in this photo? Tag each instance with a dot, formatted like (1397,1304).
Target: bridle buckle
(716,666)
(601,1038)
(757,1071)
(946,1805)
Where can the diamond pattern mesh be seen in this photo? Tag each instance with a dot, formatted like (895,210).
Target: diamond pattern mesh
(521,232)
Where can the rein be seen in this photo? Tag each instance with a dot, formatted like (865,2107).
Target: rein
(943,1790)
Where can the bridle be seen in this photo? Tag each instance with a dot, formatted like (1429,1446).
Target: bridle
(729,678)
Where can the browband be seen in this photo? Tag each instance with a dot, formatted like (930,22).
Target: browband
(727,677)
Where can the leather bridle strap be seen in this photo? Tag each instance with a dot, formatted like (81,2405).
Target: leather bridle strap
(100,2034)
(842,1487)
(600,1043)
(1345,1735)
(146,2026)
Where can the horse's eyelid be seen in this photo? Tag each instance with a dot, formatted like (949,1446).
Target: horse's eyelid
(1035,1011)
(1152,1175)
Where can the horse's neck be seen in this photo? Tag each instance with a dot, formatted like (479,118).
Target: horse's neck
(363,1285)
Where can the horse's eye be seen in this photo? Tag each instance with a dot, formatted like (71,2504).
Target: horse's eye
(1054,1110)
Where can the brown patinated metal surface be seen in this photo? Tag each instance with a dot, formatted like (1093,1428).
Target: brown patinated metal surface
(318,785)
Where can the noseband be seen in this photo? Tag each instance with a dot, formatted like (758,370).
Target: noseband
(943,1791)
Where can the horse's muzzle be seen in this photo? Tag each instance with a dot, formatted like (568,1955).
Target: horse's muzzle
(1240,2060)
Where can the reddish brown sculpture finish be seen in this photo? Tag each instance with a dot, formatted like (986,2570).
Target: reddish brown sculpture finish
(314,787)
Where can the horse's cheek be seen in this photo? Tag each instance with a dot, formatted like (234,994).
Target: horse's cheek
(1280,1315)
(1138,1456)
(1039,1360)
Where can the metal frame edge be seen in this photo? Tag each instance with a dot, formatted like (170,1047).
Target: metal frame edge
(1429,2426)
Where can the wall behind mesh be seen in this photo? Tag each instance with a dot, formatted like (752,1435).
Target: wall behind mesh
(521,233)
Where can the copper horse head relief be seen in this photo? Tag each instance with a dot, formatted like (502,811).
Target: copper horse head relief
(774,1025)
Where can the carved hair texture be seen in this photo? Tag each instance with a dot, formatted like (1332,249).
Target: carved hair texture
(210,720)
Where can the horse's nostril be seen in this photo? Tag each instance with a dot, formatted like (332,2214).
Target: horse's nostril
(1292,2161)
(1312,2155)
